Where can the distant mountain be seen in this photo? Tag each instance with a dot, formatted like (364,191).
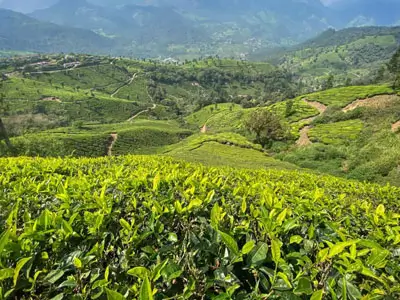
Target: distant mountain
(142,24)
(20,32)
(26,6)
(380,12)
(188,29)
(209,27)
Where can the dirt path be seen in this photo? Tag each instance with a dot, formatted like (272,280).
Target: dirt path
(54,99)
(380,101)
(55,71)
(317,105)
(304,140)
(396,127)
(142,112)
(129,82)
(110,143)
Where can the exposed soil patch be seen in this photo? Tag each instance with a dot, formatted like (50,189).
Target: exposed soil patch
(142,112)
(110,143)
(304,140)
(54,99)
(129,82)
(319,106)
(396,127)
(380,101)
(204,129)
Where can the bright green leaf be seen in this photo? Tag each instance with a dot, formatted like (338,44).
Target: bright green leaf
(339,248)
(113,295)
(296,239)
(21,263)
(276,250)
(146,292)
(58,297)
(140,272)
(172,237)
(4,240)
(6,273)
(125,225)
(248,247)
(377,258)
(317,295)
(77,263)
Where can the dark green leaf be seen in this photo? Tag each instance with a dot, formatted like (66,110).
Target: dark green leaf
(258,255)
(304,286)
(229,242)
(54,276)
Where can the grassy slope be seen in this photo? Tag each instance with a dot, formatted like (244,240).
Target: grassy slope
(353,53)
(224,149)
(230,117)
(345,95)
(359,146)
(139,137)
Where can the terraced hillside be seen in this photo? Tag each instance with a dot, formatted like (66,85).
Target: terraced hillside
(93,106)
(68,89)
(352,55)
(329,130)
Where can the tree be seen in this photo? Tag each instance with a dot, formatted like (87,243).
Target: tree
(289,108)
(3,131)
(266,126)
(329,82)
(394,67)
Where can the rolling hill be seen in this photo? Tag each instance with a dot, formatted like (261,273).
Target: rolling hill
(98,103)
(19,32)
(351,55)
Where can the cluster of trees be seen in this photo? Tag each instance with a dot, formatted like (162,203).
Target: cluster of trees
(267,127)
(221,85)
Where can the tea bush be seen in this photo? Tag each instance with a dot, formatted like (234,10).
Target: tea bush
(157,228)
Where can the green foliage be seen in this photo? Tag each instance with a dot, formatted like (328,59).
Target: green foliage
(351,55)
(144,228)
(394,67)
(224,149)
(345,95)
(339,133)
(267,127)
(93,140)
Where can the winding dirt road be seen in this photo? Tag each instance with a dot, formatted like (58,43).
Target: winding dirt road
(396,127)
(142,112)
(304,140)
(380,101)
(129,82)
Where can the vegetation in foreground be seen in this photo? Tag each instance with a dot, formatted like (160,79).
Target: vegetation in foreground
(156,228)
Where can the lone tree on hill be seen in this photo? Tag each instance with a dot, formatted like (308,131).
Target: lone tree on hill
(394,67)
(266,126)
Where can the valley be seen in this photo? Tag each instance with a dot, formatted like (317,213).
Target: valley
(93,106)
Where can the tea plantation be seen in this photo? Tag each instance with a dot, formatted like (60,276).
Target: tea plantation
(157,228)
